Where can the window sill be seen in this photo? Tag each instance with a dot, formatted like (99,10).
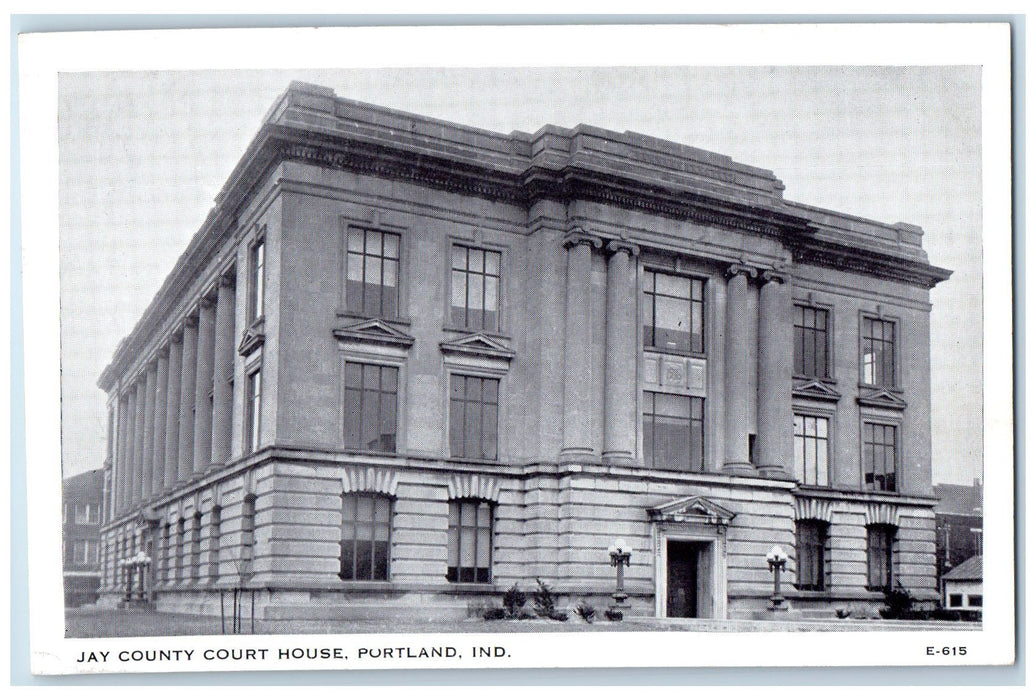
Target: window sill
(880,387)
(677,353)
(498,334)
(391,320)
(470,588)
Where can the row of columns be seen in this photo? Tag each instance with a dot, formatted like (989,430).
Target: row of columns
(774,358)
(174,421)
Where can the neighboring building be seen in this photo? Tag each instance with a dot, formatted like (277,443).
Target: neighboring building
(81,507)
(962,588)
(958,524)
(406,363)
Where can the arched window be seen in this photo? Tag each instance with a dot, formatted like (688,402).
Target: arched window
(366,527)
(470,543)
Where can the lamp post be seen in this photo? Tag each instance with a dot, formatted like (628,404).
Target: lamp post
(776,561)
(619,553)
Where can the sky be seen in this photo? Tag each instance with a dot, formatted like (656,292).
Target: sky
(143,154)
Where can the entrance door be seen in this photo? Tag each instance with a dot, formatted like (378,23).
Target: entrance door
(682,584)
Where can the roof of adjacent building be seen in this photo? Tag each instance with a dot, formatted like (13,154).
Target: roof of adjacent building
(968,570)
(959,499)
(311,124)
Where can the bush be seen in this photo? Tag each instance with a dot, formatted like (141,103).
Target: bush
(559,615)
(514,601)
(947,615)
(898,605)
(613,615)
(492,613)
(544,600)
(586,611)
(843,613)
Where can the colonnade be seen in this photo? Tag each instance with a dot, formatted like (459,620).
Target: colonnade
(174,416)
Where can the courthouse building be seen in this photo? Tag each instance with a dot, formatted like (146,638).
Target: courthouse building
(406,363)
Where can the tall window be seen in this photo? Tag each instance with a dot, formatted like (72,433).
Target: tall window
(878,353)
(167,552)
(214,536)
(247,534)
(257,279)
(470,544)
(84,514)
(811,450)
(370,407)
(366,523)
(811,342)
(810,550)
(674,432)
(475,282)
(253,409)
(674,313)
(372,273)
(473,416)
(196,547)
(879,456)
(180,533)
(880,569)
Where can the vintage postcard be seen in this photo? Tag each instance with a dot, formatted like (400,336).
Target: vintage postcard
(384,348)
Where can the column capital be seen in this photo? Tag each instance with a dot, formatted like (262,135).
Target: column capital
(617,245)
(578,236)
(227,281)
(206,302)
(191,321)
(739,268)
(775,275)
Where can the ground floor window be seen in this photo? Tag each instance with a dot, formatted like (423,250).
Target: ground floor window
(974,601)
(364,547)
(880,568)
(956,600)
(810,550)
(470,544)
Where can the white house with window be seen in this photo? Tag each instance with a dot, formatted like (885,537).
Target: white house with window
(406,364)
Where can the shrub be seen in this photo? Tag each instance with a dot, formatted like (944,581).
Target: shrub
(898,605)
(493,613)
(943,614)
(613,615)
(586,611)
(544,600)
(843,613)
(514,601)
(559,615)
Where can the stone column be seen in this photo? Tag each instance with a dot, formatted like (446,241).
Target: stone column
(189,370)
(576,433)
(148,458)
(620,355)
(203,388)
(120,457)
(223,368)
(161,406)
(775,366)
(138,439)
(172,414)
(735,375)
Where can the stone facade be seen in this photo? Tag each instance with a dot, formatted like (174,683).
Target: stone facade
(82,497)
(234,449)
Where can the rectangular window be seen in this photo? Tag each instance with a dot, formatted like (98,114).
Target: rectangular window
(253,409)
(473,416)
(880,540)
(166,553)
(257,280)
(879,456)
(196,547)
(82,552)
(674,432)
(674,313)
(811,450)
(810,549)
(956,600)
(811,338)
(470,544)
(974,601)
(878,353)
(475,288)
(214,537)
(247,534)
(366,523)
(83,514)
(370,407)
(372,273)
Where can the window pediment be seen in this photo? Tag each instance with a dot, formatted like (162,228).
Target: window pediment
(252,338)
(691,509)
(373,331)
(479,345)
(881,398)
(816,390)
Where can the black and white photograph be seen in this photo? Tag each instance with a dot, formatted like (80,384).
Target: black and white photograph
(453,365)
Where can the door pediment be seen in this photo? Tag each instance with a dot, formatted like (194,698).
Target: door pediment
(691,509)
